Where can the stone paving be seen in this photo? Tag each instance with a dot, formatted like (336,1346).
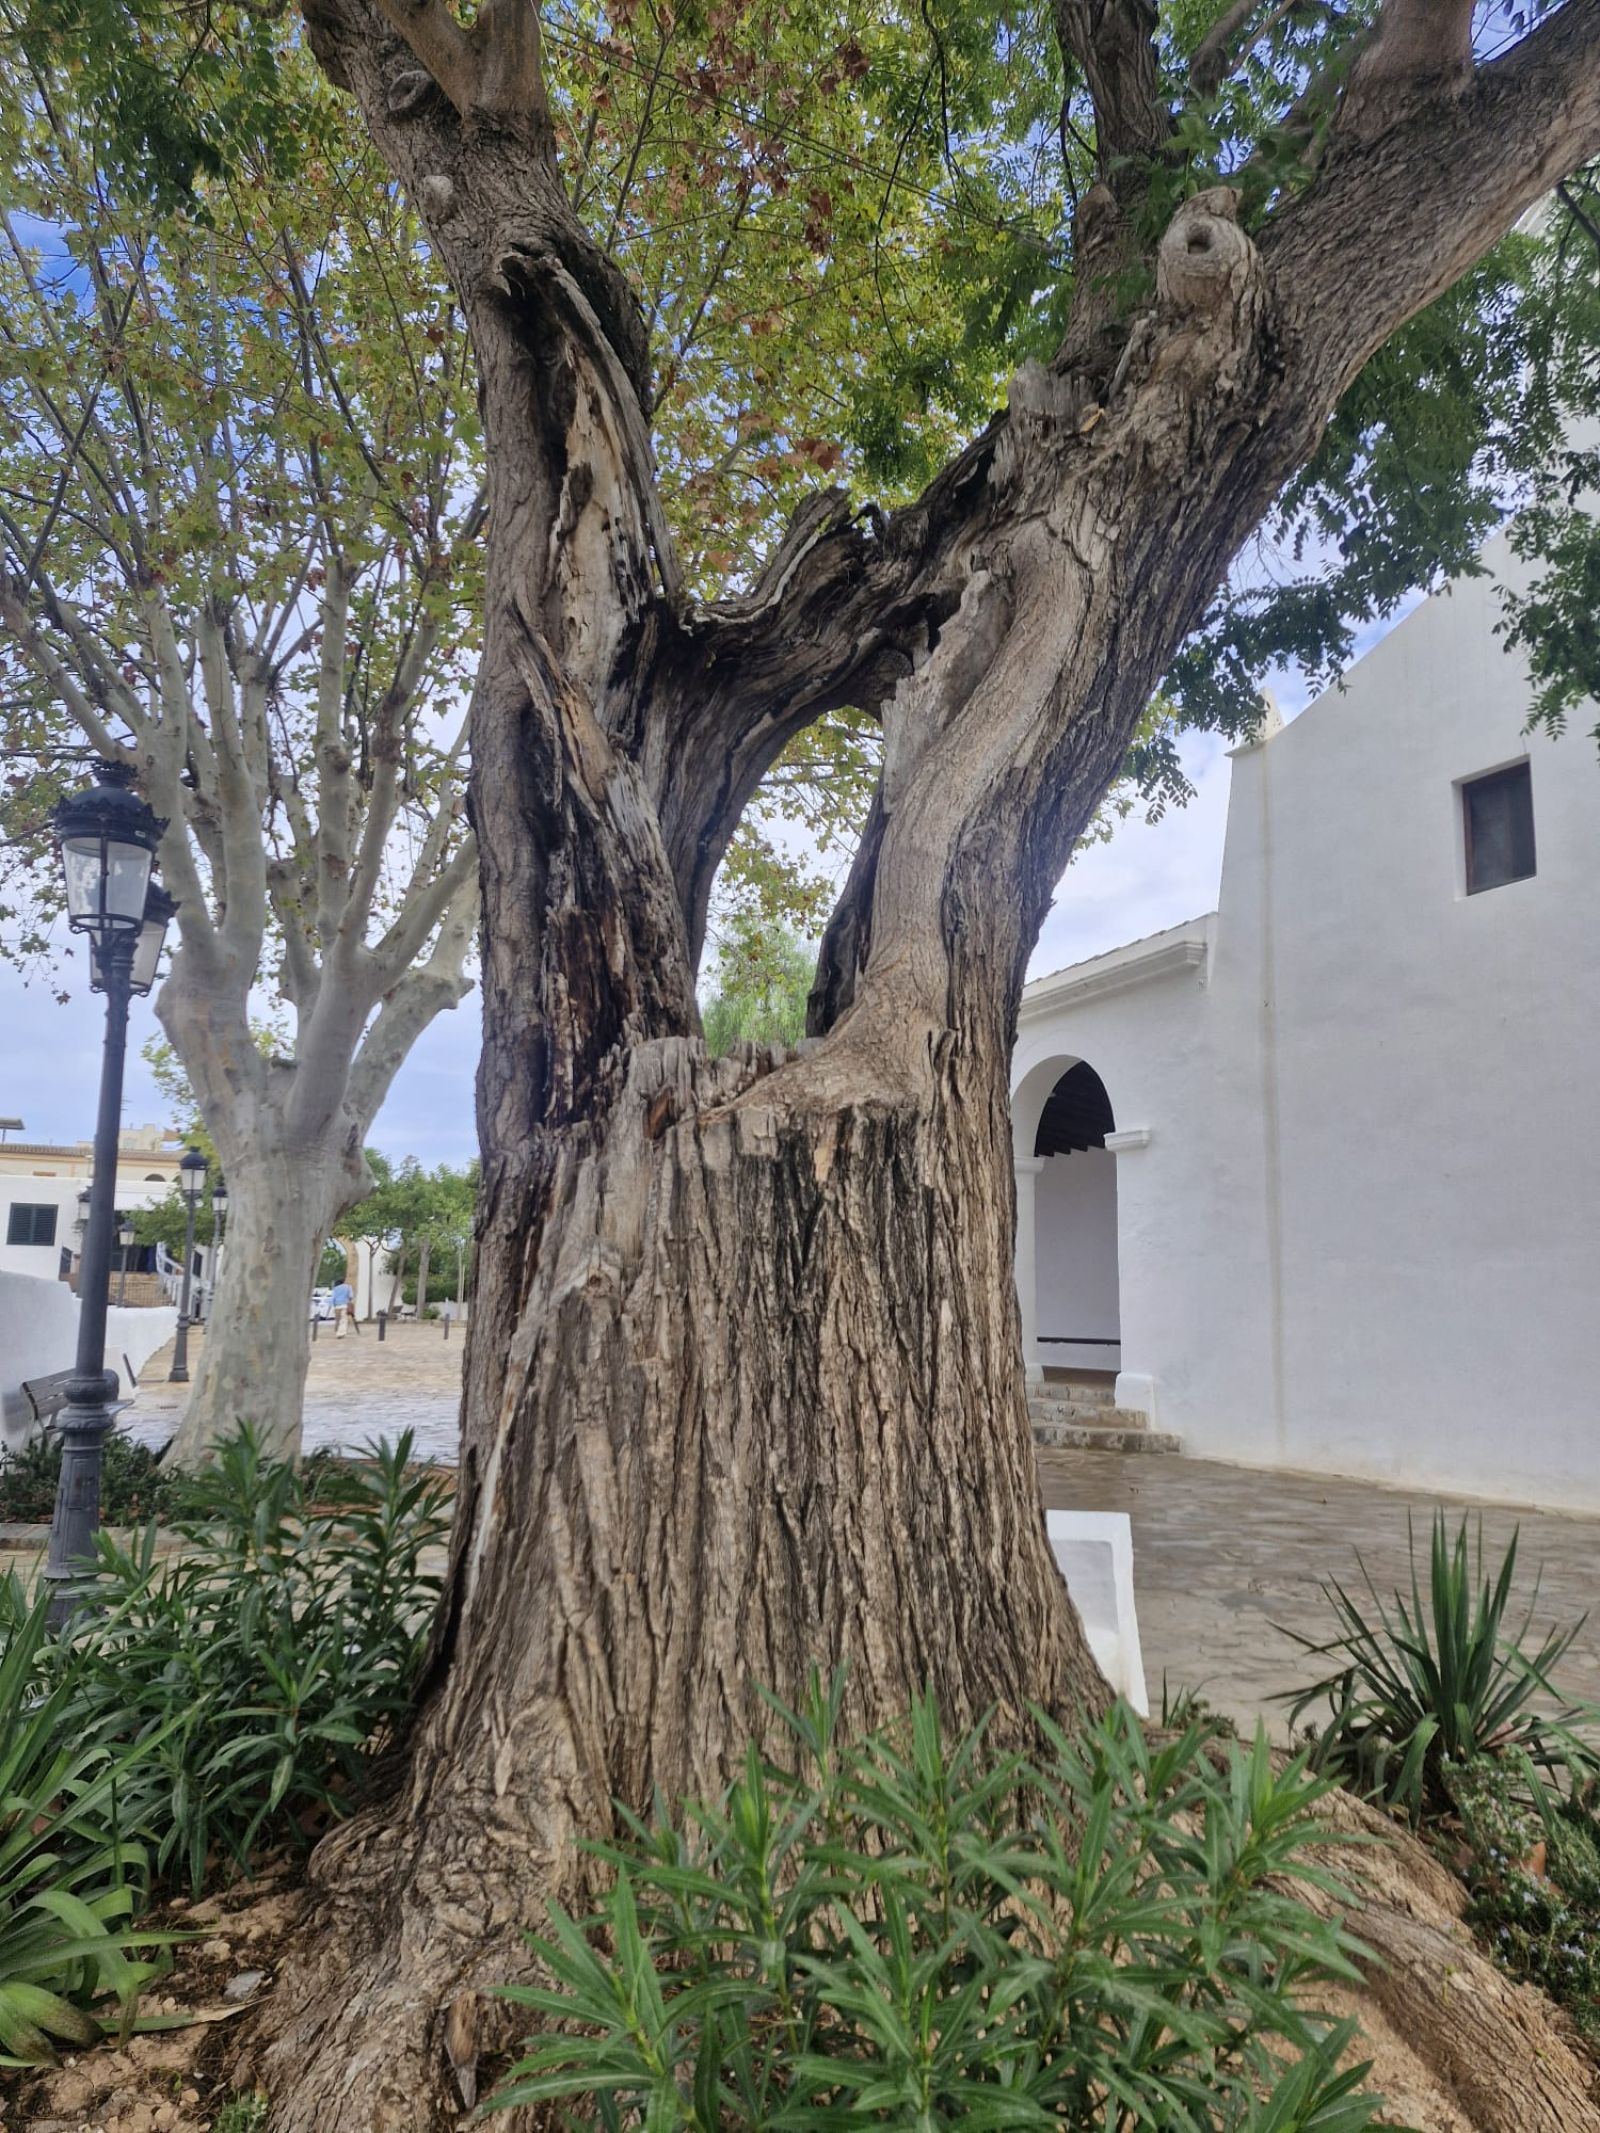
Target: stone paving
(357,1388)
(1222,1555)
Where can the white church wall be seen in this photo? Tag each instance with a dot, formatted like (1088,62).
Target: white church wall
(1362,1237)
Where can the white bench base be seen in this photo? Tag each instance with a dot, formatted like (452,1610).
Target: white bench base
(1094,1550)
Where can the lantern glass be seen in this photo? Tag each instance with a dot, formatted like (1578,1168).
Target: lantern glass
(219,1199)
(106,883)
(158,910)
(192,1175)
(125,1232)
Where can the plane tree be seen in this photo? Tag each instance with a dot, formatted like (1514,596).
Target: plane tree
(239,522)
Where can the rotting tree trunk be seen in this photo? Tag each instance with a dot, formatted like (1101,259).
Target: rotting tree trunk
(744,1388)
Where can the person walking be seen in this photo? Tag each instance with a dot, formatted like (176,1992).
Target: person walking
(343,1299)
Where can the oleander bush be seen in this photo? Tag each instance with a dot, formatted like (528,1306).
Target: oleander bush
(923,1932)
(1422,1685)
(260,1664)
(221,1697)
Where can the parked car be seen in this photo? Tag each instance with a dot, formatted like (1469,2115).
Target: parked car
(322,1303)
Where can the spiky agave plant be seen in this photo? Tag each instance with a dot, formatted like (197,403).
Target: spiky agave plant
(1428,1682)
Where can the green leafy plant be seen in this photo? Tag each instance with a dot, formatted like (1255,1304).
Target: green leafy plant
(243,2114)
(256,1668)
(70,1879)
(1428,1683)
(1534,1876)
(923,1932)
(134,1486)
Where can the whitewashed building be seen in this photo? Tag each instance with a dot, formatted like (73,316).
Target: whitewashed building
(1317,1175)
(40,1185)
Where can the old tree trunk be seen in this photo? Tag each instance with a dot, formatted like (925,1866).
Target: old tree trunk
(744,1384)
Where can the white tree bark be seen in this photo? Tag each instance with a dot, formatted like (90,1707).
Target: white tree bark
(253,1358)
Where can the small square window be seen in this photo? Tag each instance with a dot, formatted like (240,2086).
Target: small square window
(1497,815)
(31,1224)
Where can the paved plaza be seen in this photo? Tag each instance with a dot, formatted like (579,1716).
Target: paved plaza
(1222,1555)
(357,1388)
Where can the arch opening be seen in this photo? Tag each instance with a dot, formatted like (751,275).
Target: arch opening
(1076,1277)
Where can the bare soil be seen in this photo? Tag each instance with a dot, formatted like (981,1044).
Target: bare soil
(176,2080)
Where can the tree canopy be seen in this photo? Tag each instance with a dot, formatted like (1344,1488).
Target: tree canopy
(846,230)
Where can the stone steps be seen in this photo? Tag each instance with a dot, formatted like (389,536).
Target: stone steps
(1077,1392)
(1083,1418)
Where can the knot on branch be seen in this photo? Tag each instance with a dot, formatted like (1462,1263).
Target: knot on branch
(410,90)
(1205,262)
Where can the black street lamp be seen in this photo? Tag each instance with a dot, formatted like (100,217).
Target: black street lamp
(219,1230)
(192,1184)
(108,839)
(125,1236)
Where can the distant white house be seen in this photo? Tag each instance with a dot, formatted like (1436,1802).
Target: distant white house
(1318,1174)
(40,1186)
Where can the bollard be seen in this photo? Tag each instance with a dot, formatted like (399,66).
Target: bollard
(447,1325)
(383,1324)
(313,1328)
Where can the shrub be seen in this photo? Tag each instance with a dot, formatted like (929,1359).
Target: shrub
(256,1668)
(1534,1877)
(70,1878)
(923,1933)
(134,1486)
(1425,1685)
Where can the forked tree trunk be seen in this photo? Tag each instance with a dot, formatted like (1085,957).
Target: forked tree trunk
(744,1389)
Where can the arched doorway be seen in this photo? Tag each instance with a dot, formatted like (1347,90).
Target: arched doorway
(1077,1302)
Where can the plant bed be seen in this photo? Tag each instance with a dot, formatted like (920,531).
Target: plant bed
(1439,1711)
(178,2078)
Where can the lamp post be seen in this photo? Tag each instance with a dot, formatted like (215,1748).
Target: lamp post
(192,1184)
(108,839)
(125,1236)
(219,1230)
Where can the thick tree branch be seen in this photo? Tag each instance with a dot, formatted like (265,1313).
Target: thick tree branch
(1413,207)
(428,987)
(1419,49)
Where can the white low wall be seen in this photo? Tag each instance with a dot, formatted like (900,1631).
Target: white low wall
(39,1333)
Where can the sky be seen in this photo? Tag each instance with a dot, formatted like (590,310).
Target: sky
(1146,877)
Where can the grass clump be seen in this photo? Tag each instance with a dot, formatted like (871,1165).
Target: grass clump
(924,1932)
(1533,1871)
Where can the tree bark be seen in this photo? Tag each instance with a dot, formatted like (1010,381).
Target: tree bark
(744,1390)
(257,1345)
